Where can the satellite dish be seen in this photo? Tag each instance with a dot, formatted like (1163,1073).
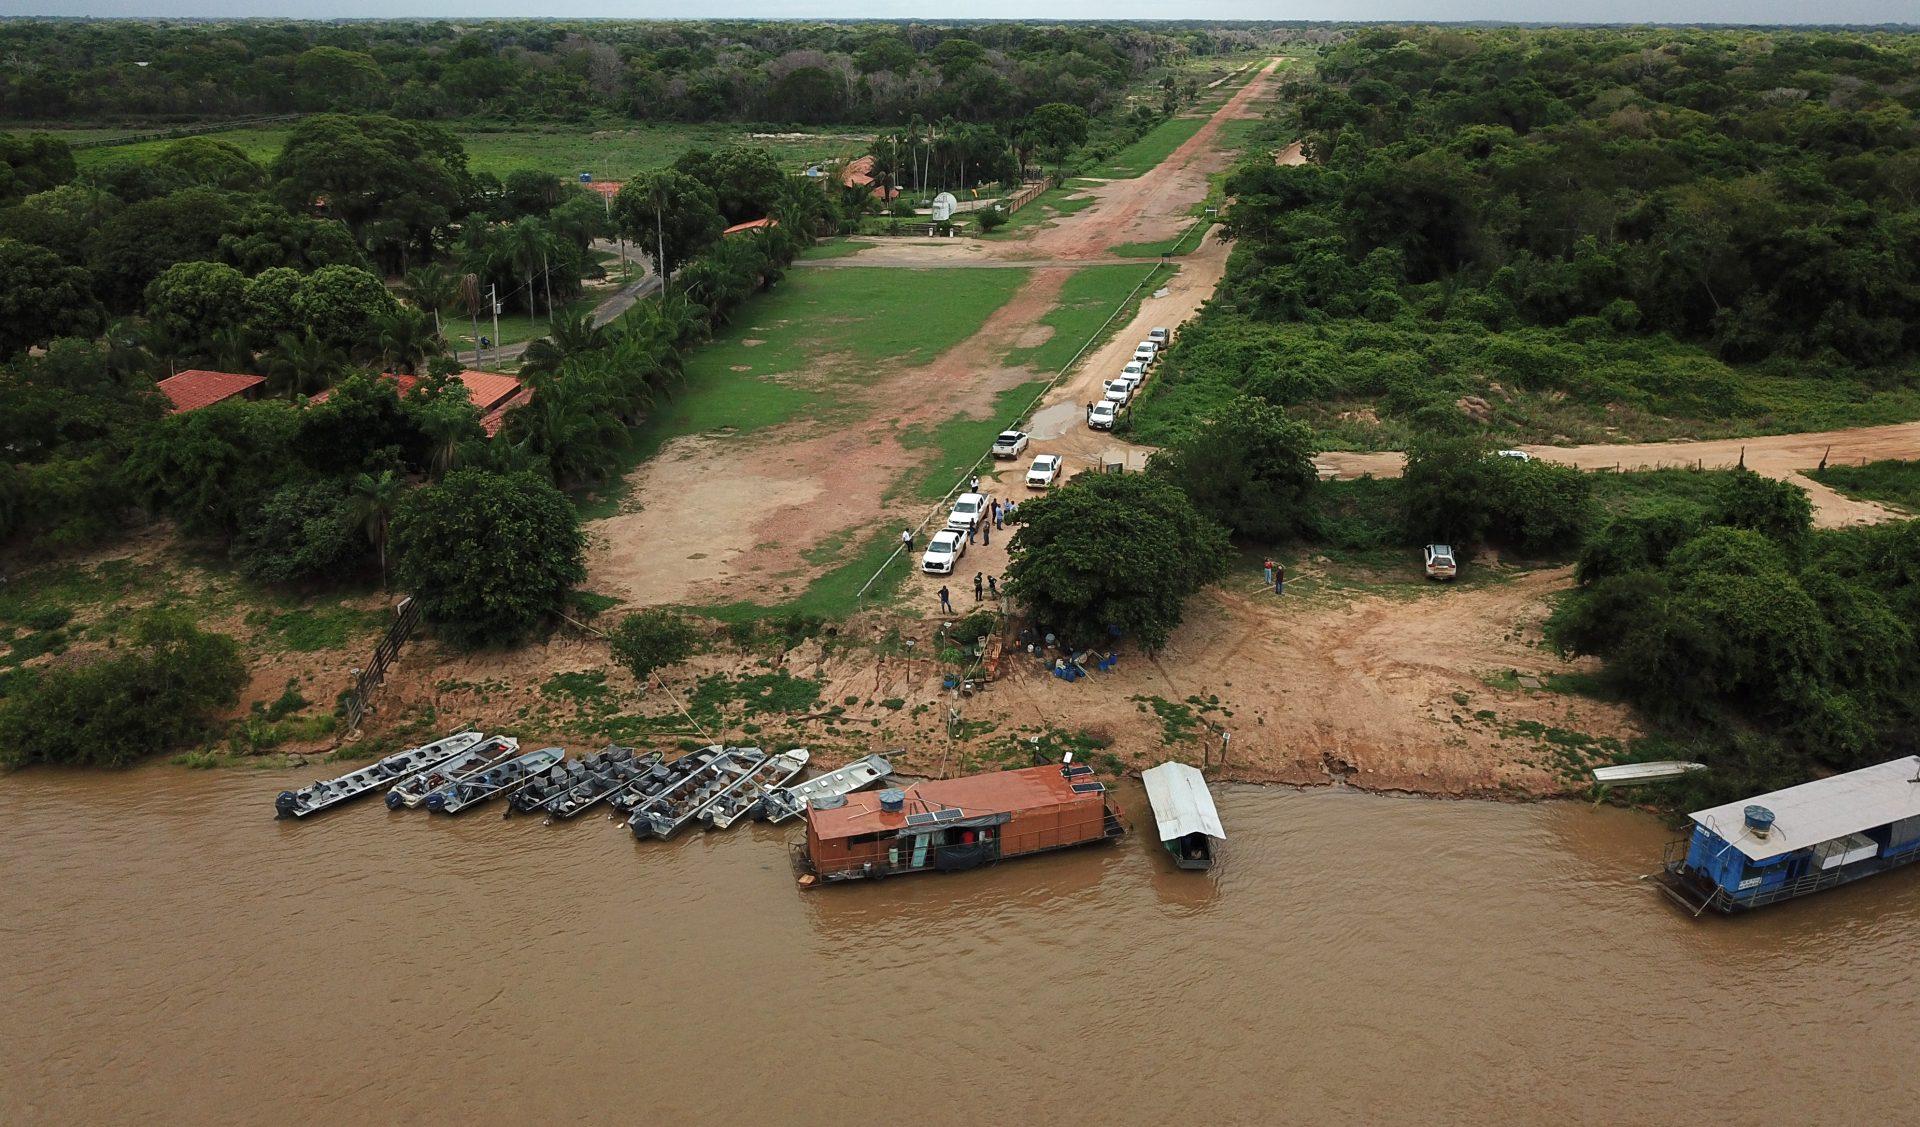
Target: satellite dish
(943,205)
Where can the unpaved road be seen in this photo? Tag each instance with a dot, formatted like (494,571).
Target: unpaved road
(1781,456)
(718,518)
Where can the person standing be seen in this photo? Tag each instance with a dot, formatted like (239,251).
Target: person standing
(996,512)
(970,528)
(1269,566)
(986,531)
(993,587)
(973,484)
(1279,579)
(978,586)
(946,602)
(906,539)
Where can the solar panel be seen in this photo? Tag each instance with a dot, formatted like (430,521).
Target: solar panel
(1075,770)
(934,817)
(1089,788)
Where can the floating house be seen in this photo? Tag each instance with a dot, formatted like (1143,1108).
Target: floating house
(954,824)
(1183,813)
(1802,839)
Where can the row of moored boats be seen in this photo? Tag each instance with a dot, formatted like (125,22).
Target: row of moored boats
(716,786)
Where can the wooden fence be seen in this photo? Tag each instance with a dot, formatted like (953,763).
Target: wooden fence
(1028,194)
(371,677)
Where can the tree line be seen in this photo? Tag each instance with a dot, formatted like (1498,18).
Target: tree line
(570,70)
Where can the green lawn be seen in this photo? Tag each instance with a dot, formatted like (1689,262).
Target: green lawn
(1150,150)
(515,327)
(1048,206)
(1087,301)
(1890,482)
(610,154)
(816,334)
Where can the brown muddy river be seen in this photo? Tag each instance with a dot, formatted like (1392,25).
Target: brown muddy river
(173,954)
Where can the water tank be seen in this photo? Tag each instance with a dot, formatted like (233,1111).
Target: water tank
(893,801)
(1759,820)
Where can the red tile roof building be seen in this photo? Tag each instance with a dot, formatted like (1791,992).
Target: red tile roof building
(195,388)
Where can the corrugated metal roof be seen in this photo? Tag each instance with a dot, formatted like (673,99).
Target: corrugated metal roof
(1029,788)
(1181,803)
(195,388)
(1822,810)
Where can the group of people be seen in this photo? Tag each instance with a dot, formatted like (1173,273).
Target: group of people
(984,587)
(1276,576)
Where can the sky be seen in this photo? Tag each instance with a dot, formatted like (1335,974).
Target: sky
(1588,11)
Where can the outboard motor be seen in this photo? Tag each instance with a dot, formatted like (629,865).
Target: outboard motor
(287,803)
(393,800)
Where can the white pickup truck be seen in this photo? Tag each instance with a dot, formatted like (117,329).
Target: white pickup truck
(1102,415)
(1009,444)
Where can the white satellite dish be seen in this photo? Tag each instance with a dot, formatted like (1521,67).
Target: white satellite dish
(943,205)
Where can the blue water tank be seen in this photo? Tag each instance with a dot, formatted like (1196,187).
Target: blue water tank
(1759,820)
(893,801)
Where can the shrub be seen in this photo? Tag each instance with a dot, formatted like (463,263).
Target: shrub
(990,219)
(301,532)
(165,691)
(974,627)
(652,639)
(1250,468)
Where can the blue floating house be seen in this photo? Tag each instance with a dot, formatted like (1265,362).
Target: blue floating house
(1802,839)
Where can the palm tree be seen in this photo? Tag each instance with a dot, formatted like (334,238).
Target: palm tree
(527,245)
(432,288)
(444,429)
(374,502)
(303,363)
(572,336)
(230,349)
(406,340)
(573,422)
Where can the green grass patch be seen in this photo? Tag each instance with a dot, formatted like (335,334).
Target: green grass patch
(310,630)
(564,150)
(791,351)
(959,443)
(1155,146)
(1045,208)
(756,694)
(1890,482)
(515,328)
(587,689)
(1619,493)
(837,593)
(834,248)
(1087,301)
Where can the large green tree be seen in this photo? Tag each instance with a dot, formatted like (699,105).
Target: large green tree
(1121,551)
(1249,468)
(668,213)
(489,556)
(41,297)
(346,307)
(395,184)
(193,302)
(209,468)
(32,163)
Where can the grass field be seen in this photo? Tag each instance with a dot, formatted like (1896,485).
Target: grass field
(1150,150)
(1087,301)
(794,350)
(1890,482)
(1048,206)
(610,154)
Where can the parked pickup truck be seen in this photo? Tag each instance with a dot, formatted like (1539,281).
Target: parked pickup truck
(1159,337)
(1118,392)
(1045,471)
(943,552)
(1102,415)
(968,511)
(1009,444)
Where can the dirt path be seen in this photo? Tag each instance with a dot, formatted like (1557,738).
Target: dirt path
(719,518)
(1781,456)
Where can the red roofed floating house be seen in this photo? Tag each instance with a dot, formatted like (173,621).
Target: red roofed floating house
(195,388)
(952,824)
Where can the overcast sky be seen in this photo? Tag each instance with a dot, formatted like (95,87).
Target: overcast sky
(1591,11)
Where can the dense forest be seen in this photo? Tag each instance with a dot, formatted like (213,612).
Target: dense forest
(1545,233)
(514,70)
(1586,234)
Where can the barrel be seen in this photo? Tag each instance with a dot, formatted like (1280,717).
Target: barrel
(1759,820)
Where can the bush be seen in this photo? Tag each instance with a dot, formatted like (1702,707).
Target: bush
(990,219)
(490,556)
(1538,506)
(301,532)
(652,639)
(164,692)
(974,627)
(1250,468)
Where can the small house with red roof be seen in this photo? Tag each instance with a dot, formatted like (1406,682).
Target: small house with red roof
(491,393)
(196,388)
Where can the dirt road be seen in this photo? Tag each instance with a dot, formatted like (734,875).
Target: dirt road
(1781,456)
(719,518)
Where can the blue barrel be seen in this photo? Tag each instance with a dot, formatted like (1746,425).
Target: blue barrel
(1759,820)
(893,800)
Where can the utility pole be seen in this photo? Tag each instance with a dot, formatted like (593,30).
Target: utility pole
(493,300)
(546,279)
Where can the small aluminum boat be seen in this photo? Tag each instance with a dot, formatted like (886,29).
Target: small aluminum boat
(487,753)
(393,769)
(669,812)
(547,786)
(657,780)
(788,801)
(1633,774)
(620,767)
(743,801)
(494,782)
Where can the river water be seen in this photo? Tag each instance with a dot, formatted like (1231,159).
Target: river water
(174,954)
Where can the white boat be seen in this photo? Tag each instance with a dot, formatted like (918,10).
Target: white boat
(669,812)
(1183,813)
(742,800)
(788,801)
(393,769)
(487,753)
(1632,774)
(494,781)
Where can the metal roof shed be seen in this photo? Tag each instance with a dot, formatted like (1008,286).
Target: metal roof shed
(1821,811)
(1182,809)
